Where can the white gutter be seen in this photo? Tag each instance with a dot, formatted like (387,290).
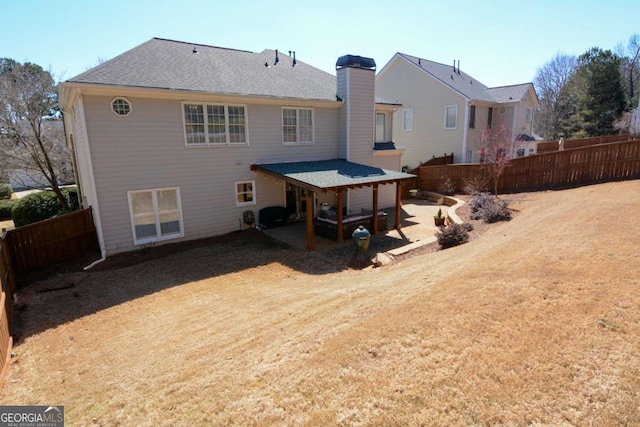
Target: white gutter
(513,129)
(465,142)
(91,184)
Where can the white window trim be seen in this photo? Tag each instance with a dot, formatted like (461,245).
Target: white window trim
(253,186)
(385,137)
(313,125)
(446,111)
(409,112)
(528,115)
(206,124)
(159,237)
(124,99)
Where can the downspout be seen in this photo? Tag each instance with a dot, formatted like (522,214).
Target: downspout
(513,129)
(347,106)
(465,135)
(92,187)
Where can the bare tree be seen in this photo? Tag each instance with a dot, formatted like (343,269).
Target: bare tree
(496,148)
(551,83)
(31,136)
(629,52)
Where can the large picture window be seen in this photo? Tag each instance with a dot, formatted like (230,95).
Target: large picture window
(215,124)
(156,215)
(297,126)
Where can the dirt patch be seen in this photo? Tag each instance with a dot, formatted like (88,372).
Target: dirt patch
(536,321)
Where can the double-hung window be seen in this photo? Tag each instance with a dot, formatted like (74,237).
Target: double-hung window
(407,119)
(297,125)
(381,132)
(215,124)
(451,116)
(472,117)
(528,115)
(245,193)
(156,214)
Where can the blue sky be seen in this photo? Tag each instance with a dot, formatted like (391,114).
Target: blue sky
(498,42)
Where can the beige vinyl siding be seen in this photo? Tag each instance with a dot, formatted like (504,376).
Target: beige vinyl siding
(146,150)
(363,197)
(342,115)
(405,83)
(522,126)
(361,114)
(81,151)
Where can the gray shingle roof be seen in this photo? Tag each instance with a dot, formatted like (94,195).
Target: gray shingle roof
(333,174)
(168,64)
(513,93)
(466,85)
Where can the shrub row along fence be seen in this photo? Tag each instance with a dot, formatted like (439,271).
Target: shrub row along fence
(548,147)
(597,163)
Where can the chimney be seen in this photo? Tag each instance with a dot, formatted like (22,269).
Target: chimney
(356,87)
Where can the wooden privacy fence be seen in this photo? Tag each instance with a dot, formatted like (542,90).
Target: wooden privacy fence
(54,240)
(7,279)
(597,163)
(548,147)
(35,246)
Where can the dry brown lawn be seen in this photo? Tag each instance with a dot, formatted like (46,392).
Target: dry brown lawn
(535,322)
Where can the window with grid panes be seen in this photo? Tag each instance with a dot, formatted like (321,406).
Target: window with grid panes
(297,125)
(221,125)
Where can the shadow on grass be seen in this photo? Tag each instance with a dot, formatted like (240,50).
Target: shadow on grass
(125,277)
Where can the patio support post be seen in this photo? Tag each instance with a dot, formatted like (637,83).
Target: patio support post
(310,211)
(398,204)
(339,236)
(374,223)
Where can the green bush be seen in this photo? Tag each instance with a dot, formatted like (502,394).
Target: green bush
(71,194)
(5,209)
(35,207)
(5,191)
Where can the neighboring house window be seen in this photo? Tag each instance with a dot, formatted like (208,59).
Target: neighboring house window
(380,127)
(215,124)
(469,156)
(156,214)
(245,193)
(407,119)
(451,116)
(121,106)
(528,115)
(472,117)
(297,126)
(490,118)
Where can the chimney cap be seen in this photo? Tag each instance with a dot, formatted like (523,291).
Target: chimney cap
(355,61)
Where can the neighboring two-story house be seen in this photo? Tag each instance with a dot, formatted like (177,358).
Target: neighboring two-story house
(445,110)
(175,141)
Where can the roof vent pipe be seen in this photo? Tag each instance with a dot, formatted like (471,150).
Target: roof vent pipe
(277,59)
(458,66)
(454,65)
(293,64)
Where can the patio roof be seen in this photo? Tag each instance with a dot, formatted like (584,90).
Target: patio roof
(331,175)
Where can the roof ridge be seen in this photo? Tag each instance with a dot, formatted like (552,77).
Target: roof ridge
(200,44)
(513,85)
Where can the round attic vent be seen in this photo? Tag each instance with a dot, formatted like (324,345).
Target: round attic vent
(121,106)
